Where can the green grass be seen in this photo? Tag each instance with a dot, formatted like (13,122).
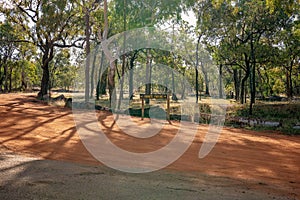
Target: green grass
(287,113)
(272,111)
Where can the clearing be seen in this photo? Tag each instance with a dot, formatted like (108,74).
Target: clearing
(43,157)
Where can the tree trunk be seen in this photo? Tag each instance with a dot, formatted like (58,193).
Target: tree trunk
(23,79)
(206,82)
(245,96)
(289,81)
(131,82)
(252,78)
(174,97)
(183,87)
(93,73)
(45,81)
(196,69)
(121,95)
(242,99)
(47,57)
(236,77)
(111,82)
(131,68)
(247,74)
(1,78)
(207,93)
(87,51)
(148,76)
(103,83)
(220,82)
(113,64)
(131,78)
(101,76)
(10,79)
(252,89)
(5,78)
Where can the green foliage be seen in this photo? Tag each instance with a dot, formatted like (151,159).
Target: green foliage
(47,25)
(63,73)
(17,72)
(143,13)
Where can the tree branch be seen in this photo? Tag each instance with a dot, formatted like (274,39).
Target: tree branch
(73,44)
(25,12)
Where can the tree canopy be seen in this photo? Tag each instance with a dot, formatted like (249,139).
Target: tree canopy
(254,44)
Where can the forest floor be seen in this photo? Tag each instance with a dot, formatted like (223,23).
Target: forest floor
(42,157)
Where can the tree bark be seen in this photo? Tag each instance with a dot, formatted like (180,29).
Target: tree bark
(87,51)
(121,95)
(103,83)
(5,78)
(45,81)
(1,78)
(183,87)
(47,57)
(23,79)
(289,81)
(220,81)
(236,77)
(113,64)
(131,83)
(131,68)
(148,76)
(111,81)
(102,79)
(196,69)
(10,79)
(252,78)
(247,74)
(207,93)
(93,73)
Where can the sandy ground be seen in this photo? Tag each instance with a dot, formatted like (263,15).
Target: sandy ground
(42,157)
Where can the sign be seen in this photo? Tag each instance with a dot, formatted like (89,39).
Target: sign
(153,96)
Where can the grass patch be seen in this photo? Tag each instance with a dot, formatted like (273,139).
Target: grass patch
(287,113)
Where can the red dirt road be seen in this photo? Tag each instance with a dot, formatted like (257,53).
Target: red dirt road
(261,160)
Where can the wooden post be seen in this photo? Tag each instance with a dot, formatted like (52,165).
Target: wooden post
(143,108)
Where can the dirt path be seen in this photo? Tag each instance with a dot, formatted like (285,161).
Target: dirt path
(33,178)
(266,162)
